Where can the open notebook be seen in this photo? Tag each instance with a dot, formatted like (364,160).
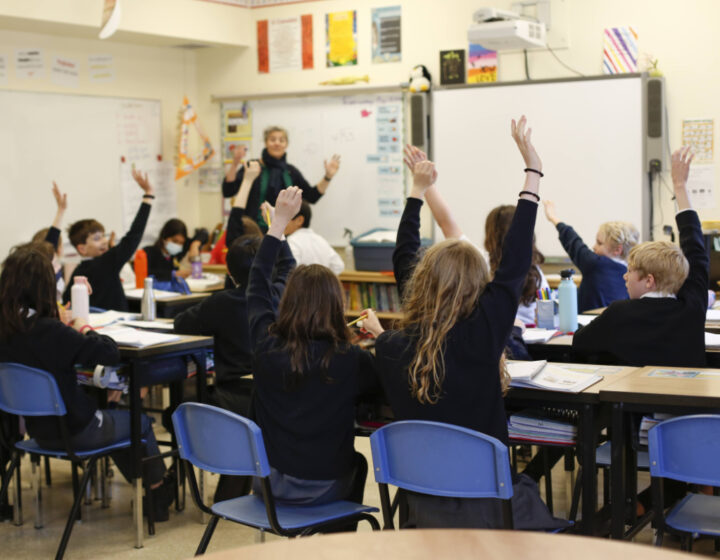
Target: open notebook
(127,336)
(541,375)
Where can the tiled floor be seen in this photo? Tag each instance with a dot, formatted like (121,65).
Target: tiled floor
(108,533)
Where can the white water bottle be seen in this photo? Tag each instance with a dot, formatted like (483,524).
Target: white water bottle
(567,299)
(148,301)
(80,298)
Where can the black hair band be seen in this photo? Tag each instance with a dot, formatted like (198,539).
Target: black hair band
(531,170)
(536,195)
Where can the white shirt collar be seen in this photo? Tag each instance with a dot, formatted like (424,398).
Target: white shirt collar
(619,261)
(658,295)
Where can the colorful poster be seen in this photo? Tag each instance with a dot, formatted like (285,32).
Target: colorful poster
(452,67)
(482,65)
(184,164)
(101,68)
(386,35)
(29,64)
(237,120)
(341,38)
(210,178)
(3,71)
(285,44)
(229,144)
(620,50)
(65,71)
(699,134)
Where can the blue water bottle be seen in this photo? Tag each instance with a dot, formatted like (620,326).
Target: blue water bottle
(567,300)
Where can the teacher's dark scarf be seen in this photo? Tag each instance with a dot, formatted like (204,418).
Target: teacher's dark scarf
(275,176)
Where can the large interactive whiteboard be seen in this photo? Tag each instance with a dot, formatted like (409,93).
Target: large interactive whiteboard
(589,134)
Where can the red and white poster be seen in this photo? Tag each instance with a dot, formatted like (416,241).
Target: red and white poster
(285,44)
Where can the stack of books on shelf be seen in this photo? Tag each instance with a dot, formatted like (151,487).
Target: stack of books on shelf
(648,422)
(379,296)
(557,426)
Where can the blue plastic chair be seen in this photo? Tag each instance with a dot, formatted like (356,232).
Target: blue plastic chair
(440,460)
(27,391)
(687,448)
(219,441)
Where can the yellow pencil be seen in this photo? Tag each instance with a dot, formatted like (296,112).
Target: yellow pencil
(267,217)
(351,323)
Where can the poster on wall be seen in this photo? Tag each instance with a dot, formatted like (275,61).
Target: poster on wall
(386,35)
(285,44)
(29,64)
(237,121)
(230,144)
(341,38)
(620,50)
(482,65)
(701,186)
(184,163)
(101,68)
(698,134)
(3,71)
(452,67)
(65,71)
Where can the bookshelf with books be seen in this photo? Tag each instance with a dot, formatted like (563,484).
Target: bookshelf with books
(371,289)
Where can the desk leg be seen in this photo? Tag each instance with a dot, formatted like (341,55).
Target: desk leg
(136,451)
(617,472)
(588,433)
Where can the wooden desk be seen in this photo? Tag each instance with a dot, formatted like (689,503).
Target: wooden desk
(553,280)
(141,362)
(169,307)
(462,544)
(710,326)
(641,391)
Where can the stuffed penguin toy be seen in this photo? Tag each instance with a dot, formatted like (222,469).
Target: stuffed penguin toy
(420,79)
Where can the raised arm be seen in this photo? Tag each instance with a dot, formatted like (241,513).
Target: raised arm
(53,234)
(125,249)
(332,166)
(407,244)
(261,309)
(578,251)
(235,228)
(234,172)
(439,208)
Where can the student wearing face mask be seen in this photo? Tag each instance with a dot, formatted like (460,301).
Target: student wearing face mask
(172,245)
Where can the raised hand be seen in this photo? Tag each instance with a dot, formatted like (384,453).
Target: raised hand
(522,139)
(239,152)
(550,212)
(287,206)
(142,180)
(60,198)
(252,170)
(423,178)
(680,170)
(414,155)
(331,166)
(268,212)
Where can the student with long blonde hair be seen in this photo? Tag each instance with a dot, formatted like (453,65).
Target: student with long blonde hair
(445,362)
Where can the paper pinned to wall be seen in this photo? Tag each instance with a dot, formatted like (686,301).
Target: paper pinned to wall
(162,177)
(101,68)
(386,34)
(65,71)
(698,134)
(620,50)
(210,178)
(341,38)
(29,63)
(701,186)
(3,70)
(285,44)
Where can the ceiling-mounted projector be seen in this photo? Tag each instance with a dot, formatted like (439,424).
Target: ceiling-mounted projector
(504,30)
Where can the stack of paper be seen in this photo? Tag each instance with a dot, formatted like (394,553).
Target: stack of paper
(712,340)
(538,336)
(541,375)
(535,426)
(648,422)
(713,315)
(99,320)
(586,319)
(137,293)
(127,336)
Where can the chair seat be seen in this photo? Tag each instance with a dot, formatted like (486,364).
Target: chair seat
(250,510)
(31,446)
(696,513)
(603,454)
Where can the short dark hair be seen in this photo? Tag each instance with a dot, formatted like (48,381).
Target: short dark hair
(80,230)
(240,257)
(306,212)
(171,228)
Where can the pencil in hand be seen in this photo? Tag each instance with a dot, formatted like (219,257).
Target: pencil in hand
(353,322)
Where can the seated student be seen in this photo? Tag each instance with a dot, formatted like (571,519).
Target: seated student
(52,236)
(307,246)
(307,375)
(603,267)
(164,256)
(663,322)
(445,363)
(32,334)
(101,264)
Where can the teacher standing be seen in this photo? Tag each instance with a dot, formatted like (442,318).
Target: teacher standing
(276,175)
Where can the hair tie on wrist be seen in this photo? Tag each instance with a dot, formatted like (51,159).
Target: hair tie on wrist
(536,195)
(328,179)
(531,170)
(152,196)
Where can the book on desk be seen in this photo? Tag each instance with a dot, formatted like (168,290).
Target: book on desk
(541,375)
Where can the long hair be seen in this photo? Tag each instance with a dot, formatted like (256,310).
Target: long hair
(170,229)
(312,308)
(443,290)
(497,225)
(27,282)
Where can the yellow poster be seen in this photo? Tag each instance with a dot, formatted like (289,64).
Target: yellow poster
(341,44)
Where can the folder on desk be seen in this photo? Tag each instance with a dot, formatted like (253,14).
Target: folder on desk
(127,336)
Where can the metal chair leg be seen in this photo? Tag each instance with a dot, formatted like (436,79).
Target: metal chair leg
(48,477)
(17,500)
(207,535)
(75,511)
(105,481)
(37,491)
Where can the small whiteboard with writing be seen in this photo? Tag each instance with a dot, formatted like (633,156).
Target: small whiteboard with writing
(366,131)
(78,141)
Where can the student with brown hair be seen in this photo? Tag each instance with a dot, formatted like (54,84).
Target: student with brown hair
(307,375)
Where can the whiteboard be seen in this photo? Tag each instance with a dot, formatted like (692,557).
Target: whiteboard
(77,141)
(588,133)
(366,131)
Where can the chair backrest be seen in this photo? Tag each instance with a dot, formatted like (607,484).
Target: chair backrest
(220,441)
(441,460)
(686,448)
(28,391)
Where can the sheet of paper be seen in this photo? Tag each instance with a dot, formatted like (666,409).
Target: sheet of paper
(65,71)
(386,34)
(341,38)
(106,318)
(127,336)
(701,186)
(699,134)
(101,68)
(29,64)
